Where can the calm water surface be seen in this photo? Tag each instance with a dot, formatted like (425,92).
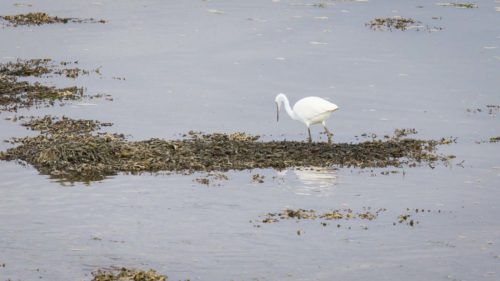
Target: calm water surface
(215,66)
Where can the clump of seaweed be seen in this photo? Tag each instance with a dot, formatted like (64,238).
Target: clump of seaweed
(32,67)
(297,214)
(458,5)
(410,216)
(398,133)
(125,274)
(492,109)
(258,178)
(40,67)
(322,5)
(16,94)
(495,139)
(64,125)
(39,18)
(398,23)
(407,219)
(339,214)
(212,179)
(73,150)
(71,72)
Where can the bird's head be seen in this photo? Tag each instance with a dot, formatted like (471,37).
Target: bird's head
(280,98)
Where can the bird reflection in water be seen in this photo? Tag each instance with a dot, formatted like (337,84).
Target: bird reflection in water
(317,181)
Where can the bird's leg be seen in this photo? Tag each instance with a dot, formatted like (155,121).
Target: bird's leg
(329,134)
(309,131)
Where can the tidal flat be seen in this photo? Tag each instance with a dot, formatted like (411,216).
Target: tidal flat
(140,140)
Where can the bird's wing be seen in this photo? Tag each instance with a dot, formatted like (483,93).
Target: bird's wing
(310,107)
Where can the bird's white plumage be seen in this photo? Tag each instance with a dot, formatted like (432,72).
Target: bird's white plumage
(313,110)
(309,110)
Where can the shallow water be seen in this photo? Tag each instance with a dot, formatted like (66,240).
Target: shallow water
(188,67)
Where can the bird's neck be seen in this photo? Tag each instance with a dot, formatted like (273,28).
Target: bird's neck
(288,108)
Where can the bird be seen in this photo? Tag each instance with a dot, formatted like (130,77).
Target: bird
(309,110)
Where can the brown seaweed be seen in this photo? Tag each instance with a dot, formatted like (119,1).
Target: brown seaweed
(16,93)
(338,214)
(125,274)
(39,18)
(398,23)
(73,150)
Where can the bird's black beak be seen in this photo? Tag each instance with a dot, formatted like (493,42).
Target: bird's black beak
(277,113)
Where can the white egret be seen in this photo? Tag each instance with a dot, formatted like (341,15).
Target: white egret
(309,110)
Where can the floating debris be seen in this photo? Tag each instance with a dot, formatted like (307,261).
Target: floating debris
(72,72)
(322,5)
(204,181)
(391,23)
(494,139)
(257,178)
(398,23)
(39,18)
(340,214)
(458,5)
(318,43)
(406,219)
(22,5)
(385,173)
(210,178)
(125,274)
(367,213)
(398,133)
(316,5)
(296,214)
(410,216)
(215,11)
(73,150)
(491,109)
